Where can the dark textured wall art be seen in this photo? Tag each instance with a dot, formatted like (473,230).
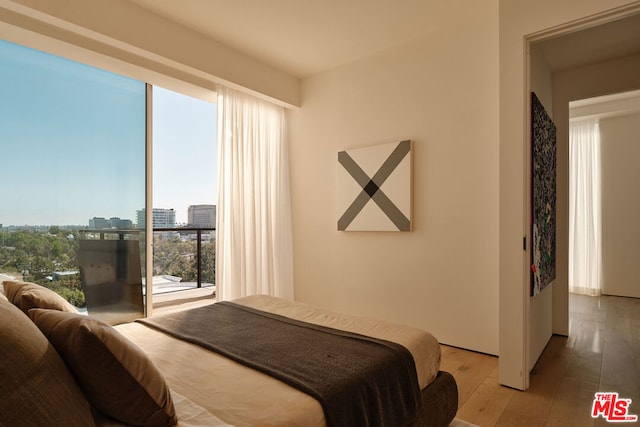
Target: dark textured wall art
(543,197)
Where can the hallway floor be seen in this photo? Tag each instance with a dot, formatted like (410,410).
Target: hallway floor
(602,353)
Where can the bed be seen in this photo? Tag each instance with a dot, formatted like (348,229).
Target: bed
(205,388)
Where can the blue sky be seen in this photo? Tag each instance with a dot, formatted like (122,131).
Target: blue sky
(72,143)
(184,152)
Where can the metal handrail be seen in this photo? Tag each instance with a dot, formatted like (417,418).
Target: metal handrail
(198,231)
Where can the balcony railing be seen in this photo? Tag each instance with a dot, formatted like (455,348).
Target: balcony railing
(185,231)
(177,254)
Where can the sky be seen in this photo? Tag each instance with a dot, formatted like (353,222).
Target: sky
(72,143)
(184,152)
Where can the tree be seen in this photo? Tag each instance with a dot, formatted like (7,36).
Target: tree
(36,255)
(209,262)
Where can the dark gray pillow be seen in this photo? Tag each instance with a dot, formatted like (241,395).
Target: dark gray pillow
(36,388)
(117,377)
(26,296)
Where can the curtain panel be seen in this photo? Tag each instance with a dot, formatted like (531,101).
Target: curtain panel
(585,258)
(254,248)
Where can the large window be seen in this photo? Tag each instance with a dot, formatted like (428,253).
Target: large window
(72,138)
(73,144)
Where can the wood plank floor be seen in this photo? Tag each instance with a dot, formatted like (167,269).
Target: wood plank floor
(602,353)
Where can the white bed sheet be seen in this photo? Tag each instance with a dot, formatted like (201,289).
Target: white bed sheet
(207,382)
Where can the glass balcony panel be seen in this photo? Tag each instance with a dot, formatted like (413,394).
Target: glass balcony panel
(73,139)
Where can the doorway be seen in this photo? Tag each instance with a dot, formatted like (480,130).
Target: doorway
(600,60)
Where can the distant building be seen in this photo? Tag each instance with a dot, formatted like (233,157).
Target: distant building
(121,224)
(100,223)
(58,275)
(162,218)
(141,218)
(202,216)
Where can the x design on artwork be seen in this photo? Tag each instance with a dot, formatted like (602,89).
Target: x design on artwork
(375,188)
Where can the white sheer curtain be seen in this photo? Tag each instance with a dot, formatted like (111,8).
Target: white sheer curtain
(254,251)
(585,259)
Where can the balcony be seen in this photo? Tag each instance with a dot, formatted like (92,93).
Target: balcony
(183,267)
(186,253)
(52,256)
(183,261)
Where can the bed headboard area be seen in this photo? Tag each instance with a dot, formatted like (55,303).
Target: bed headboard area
(61,368)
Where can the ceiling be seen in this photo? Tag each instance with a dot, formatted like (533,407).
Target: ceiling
(301,37)
(597,44)
(304,38)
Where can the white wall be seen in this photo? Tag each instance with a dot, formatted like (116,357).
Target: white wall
(620,148)
(518,21)
(441,92)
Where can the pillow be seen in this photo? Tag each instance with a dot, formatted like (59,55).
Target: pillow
(36,388)
(30,295)
(116,376)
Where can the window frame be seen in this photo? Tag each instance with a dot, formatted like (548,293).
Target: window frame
(117,57)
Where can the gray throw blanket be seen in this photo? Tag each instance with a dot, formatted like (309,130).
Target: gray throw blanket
(358,380)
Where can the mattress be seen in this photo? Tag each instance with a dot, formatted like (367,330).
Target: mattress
(210,389)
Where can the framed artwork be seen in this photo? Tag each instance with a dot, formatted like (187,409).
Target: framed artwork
(375,188)
(543,197)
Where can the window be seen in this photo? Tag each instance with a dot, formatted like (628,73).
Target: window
(184,191)
(73,143)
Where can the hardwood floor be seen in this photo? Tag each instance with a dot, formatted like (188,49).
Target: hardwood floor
(602,353)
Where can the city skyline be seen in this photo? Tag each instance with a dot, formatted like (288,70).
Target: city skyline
(135,223)
(104,217)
